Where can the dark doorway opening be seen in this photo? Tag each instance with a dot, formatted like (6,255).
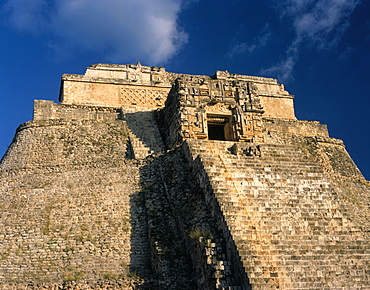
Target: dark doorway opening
(216,132)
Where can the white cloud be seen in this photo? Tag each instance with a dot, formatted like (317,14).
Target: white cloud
(122,30)
(325,22)
(257,43)
(318,24)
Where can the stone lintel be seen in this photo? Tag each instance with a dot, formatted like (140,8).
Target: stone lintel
(226,75)
(288,96)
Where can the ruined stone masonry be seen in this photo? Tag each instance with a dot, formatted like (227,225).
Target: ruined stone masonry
(145,179)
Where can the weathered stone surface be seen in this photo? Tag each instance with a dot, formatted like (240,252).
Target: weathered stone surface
(146,179)
(291,224)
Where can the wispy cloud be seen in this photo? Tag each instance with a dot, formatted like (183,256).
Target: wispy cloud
(25,15)
(258,42)
(318,24)
(121,30)
(284,69)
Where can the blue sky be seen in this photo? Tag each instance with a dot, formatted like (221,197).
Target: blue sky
(320,50)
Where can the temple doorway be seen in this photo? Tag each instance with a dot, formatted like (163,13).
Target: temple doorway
(219,127)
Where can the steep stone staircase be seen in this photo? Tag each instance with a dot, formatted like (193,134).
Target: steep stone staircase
(185,247)
(284,216)
(144,135)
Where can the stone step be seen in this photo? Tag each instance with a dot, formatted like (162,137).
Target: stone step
(144,134)
(282,183)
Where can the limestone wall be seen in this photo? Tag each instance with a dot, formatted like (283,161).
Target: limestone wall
(70,207)
(111,95)
(306,128)
(278,107)
(67,143)
(67,225)
(48,110)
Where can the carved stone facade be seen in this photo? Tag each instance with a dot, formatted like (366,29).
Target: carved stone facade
(213,109)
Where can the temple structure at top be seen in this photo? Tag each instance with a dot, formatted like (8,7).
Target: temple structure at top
(224,106)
